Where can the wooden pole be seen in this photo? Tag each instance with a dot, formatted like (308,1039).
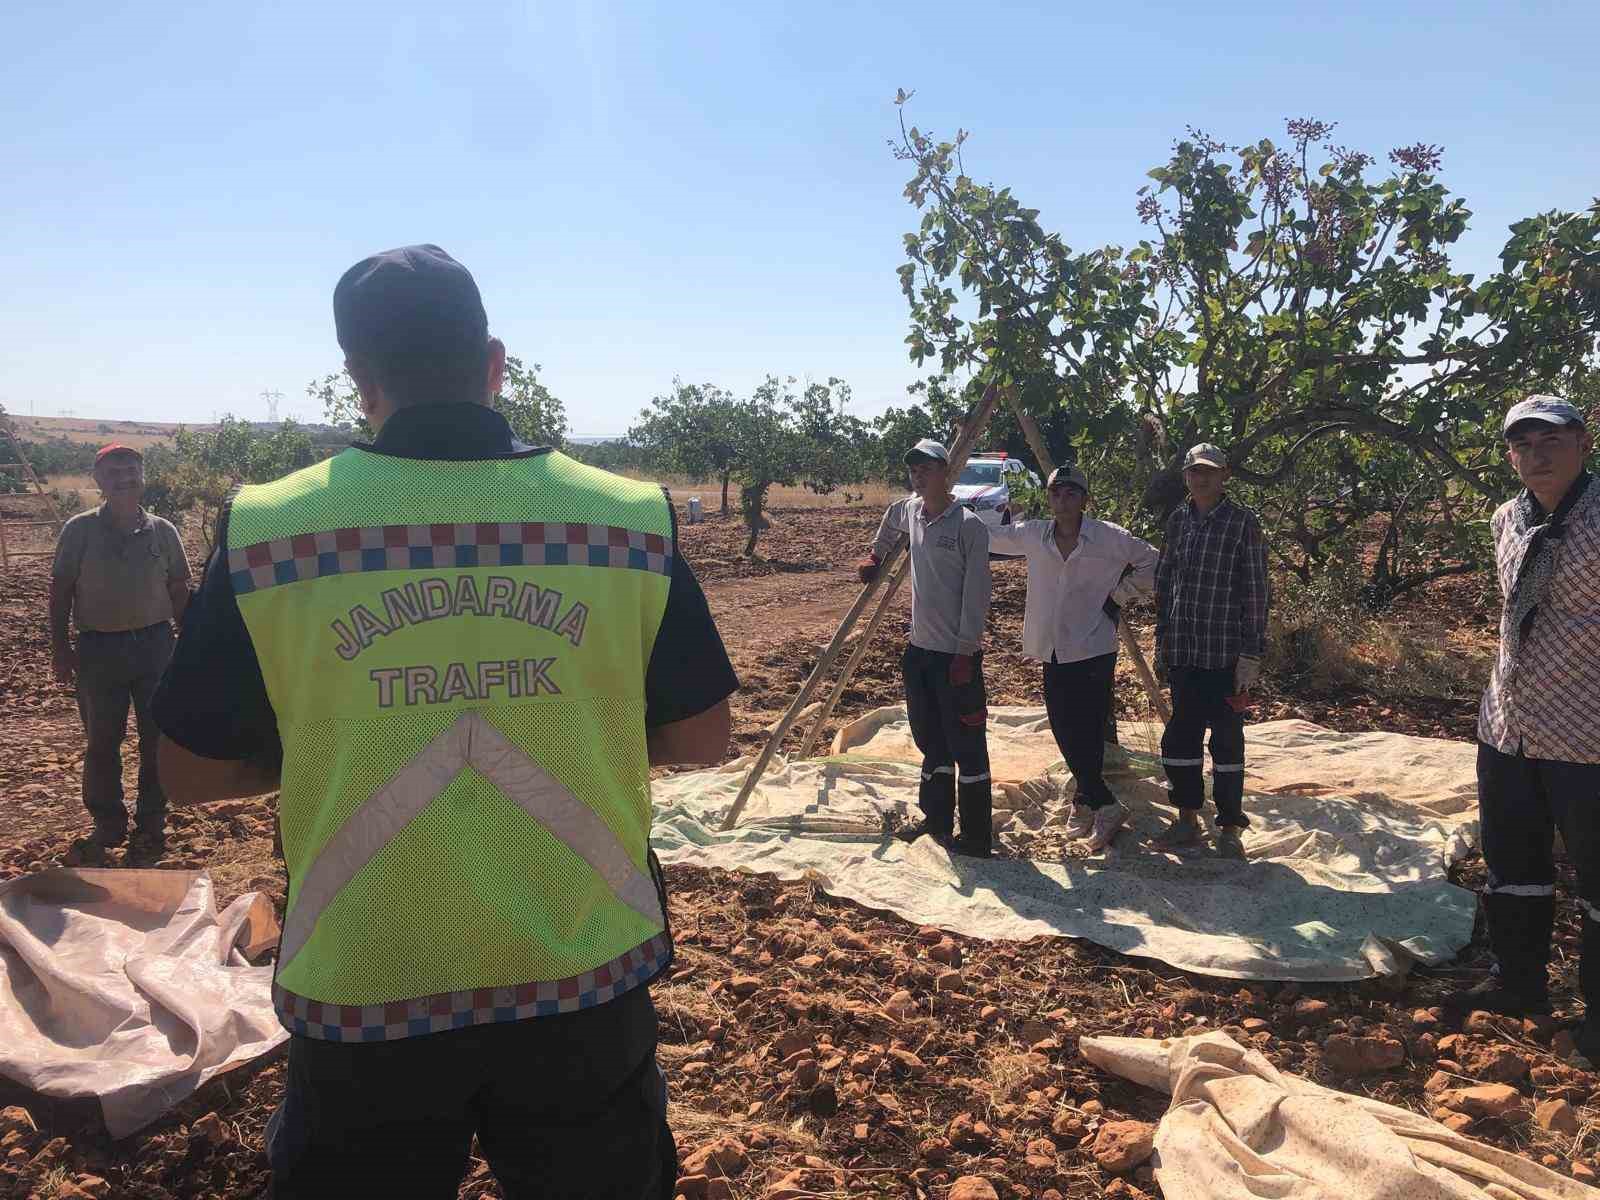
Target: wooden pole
(958,460)
(854,661)
(1030,430)
(781,730)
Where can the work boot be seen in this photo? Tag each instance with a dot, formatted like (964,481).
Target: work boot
(1493,995)
(926,828)
(972,847)
(1587,1037)
(147,848)
(1230,843)
(1108,820)
(1081,823)
(1178,835)
(1519,934)
(91,851)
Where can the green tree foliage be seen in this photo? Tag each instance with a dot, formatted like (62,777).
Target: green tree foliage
(535,415)
(897,430)
(691,430)
(533,412)
(775,436)
(838,447)
(202,467)
(1293,303)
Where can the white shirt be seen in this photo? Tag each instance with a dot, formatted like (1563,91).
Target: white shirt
(1065,616)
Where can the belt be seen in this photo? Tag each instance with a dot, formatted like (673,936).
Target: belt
(111,633)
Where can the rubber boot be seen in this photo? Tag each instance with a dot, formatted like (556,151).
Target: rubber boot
(977,819)
(1519,935)
(936,798)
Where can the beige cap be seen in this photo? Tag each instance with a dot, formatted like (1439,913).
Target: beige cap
(1205,455)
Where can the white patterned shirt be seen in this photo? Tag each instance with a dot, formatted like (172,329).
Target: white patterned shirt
(1543,698)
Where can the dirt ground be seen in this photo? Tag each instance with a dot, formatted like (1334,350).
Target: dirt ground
(814,1048)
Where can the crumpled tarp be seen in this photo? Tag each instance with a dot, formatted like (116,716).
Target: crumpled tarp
(1239,1129)
(127,985)
(1340,884)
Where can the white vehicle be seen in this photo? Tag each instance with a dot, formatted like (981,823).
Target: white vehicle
(985,485)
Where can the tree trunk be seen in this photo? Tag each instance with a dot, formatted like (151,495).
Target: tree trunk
(725,475)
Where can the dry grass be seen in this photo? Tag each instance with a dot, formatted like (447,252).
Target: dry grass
(141,435)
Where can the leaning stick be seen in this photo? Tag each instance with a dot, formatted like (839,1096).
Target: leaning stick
(854,661)
(958,459)
(781,729)
(1030,430)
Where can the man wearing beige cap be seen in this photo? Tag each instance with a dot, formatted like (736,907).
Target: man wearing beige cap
(946,705)
(1211,629)
(121,576)
(1539,724)
(1080,572)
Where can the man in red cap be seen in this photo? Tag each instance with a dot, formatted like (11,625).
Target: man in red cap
(121,576)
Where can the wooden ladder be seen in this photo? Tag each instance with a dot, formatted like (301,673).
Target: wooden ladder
(14,470)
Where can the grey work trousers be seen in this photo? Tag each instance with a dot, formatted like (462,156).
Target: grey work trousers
(114,669)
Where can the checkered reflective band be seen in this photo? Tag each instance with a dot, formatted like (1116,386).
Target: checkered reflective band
(421,547)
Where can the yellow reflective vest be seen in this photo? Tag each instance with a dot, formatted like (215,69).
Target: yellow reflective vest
(456,655)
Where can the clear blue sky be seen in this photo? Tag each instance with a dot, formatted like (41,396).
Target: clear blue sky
(646,190)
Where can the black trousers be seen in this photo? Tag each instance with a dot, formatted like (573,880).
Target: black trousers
(569,1106)
(947,723)
(1077,695)
(1521,803)
(1200,703)
(115,669)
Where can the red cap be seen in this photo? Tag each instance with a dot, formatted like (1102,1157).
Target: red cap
(115,448)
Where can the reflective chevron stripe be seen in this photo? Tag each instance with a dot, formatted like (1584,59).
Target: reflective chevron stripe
(470,742)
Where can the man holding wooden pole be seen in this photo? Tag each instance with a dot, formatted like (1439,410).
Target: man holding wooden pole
(943,664)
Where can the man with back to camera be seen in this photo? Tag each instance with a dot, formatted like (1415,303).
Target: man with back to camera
(943,662)
(1079,571)
(121,575)
(458,657)
(1211,630)
(1538,724)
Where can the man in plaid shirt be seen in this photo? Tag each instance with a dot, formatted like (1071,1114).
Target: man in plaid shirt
(1211,628)
(1539,724)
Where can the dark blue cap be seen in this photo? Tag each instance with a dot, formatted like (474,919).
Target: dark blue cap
(410,301)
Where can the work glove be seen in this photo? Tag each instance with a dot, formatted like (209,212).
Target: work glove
(1245,675)
(867,570)
(962,667)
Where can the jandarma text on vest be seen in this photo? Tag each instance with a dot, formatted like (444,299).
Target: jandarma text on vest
(433,598)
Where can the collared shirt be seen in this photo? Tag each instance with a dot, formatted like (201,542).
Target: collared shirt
(1065,619)
(119,579)
(1543,697)
(949,573)
(1211,587)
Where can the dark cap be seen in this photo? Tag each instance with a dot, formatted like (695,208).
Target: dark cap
(410,301)
(115,448)
(927,450)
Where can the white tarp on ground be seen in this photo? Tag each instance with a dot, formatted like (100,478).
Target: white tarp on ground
(1342,884)
(1238,1129)
(127,985)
